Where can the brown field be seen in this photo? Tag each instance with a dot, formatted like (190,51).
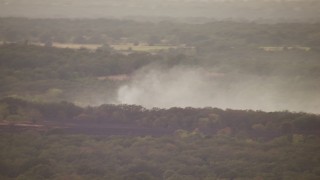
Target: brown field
(117,47)
(76,46)
(282,48)
(142,47)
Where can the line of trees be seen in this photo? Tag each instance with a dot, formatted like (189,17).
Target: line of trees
(214,34)
(207,121)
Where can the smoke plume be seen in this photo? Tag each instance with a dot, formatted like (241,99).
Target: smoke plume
(199,87)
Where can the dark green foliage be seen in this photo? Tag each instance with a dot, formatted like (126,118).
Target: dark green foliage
(35,156)
(40,63)
(211,143)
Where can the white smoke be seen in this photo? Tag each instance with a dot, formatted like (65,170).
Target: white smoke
(197,87)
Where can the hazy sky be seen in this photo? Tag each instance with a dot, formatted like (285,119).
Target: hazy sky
(236,9)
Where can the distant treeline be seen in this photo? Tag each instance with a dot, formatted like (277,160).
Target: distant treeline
(219,34)
(209,121)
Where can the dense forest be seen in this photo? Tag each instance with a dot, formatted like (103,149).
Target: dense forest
(209,120)
(31,155)
(63,141)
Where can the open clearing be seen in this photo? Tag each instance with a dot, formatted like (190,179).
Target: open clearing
(117,47)
(77,46)
(144,48)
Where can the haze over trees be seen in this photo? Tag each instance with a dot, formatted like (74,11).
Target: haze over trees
(222,64)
